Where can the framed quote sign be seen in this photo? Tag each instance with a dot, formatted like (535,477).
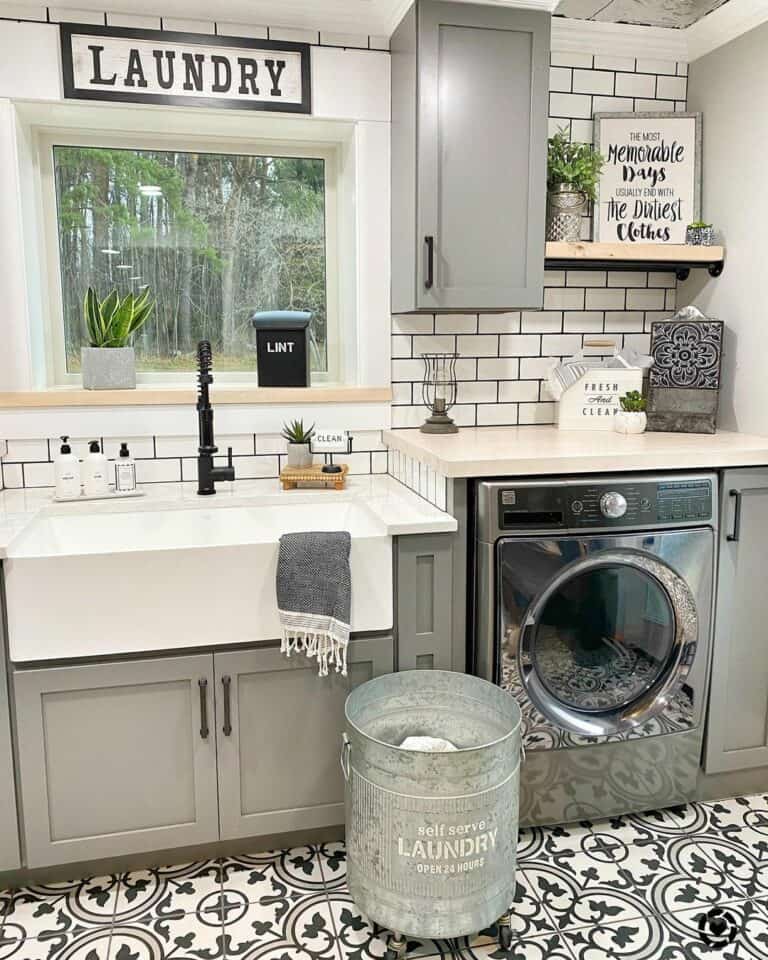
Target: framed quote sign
(188,69)
(650,187)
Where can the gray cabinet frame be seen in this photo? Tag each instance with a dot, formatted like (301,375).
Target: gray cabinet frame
(737,729)
(10,857)
(418,166)
(308,770)
(72,800)
(425,602)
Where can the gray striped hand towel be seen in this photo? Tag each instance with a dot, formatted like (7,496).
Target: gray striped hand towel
(314,594)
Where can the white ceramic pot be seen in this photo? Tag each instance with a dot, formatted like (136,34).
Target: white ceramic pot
(299,455)
(626,421)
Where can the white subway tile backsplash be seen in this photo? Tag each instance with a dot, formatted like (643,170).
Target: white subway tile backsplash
(38,475)
(379,461)
(570,105)
(518,391)
(583,321)
(635,85)
(607,299)
(537,321)
(520,345)
(435,344)
(623,322)
(671,88)
(497,415)
(535,368)
(564,298)
(408,369)
(378,42)
(559,58)
(536,413)
(560,79)
(593,81)
(480,345)
(662,280)
(560,345)
(13,476)
(603,62)
(586,278)
(136,20)
(499,323)
(503,368)
(401,346)
(479,391)
(627,278)
(401,394)
(413,323)
(456,323)
(185,25)
(228,29)
(140,448)
(158,471)
(656,66)
(582,131)
(19,451)
(645,299)
(357,40)
(294,35)
(612,104)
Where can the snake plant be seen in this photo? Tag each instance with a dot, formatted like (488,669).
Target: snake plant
(294,432)
(112,322)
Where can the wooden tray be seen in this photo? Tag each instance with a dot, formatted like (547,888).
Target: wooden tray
(291,477)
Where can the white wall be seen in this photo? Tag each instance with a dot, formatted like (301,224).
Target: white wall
(730,86)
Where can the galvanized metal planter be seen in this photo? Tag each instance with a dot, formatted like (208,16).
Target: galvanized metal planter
(432,837)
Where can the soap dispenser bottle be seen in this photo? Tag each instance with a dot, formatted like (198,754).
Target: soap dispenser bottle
(125,471)
(95,483)
(66,470)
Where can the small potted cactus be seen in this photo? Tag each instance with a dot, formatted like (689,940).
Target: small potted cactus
(299,453)
(631,418)
(700,234)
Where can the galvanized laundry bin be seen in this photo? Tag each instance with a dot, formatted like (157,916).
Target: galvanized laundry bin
(432,837)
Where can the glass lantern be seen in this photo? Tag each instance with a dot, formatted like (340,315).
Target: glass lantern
(438,391)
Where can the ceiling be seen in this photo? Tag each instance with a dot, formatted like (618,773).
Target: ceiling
(677,14)
(379,17)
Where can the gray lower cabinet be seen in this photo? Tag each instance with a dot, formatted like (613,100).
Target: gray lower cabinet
(737,730)
(424,601)
(9,824)
(469,129)
(116,758)
(278,727)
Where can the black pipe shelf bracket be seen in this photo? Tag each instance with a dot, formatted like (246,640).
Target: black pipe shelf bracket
(681,269)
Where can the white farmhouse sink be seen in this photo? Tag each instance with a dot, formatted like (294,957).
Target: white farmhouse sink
(99,583)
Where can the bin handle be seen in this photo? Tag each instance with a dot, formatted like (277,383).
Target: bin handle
(346,748)
(522,752)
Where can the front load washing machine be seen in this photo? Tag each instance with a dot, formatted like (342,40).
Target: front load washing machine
(593,607)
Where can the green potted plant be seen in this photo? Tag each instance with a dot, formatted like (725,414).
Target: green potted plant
(573,170)
(299,453)
(109,361)
(700,234)
(631,418)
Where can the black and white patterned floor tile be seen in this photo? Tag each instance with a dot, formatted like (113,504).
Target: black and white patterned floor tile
(687,883)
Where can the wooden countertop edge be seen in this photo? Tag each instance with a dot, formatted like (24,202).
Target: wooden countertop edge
(184,396)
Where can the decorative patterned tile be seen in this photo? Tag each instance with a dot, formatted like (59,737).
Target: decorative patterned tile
(62,909)
(85,944)
(285,874)
(745,934)
(141,892)
(300,927)
(550,947)
(168,933)
(642,938)
(360,939)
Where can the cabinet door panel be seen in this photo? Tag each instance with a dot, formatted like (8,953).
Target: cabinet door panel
(481,154)
(113,759)
(279,765)
(737,734)
(424,602)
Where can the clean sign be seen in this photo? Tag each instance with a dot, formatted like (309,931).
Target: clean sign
(154,66)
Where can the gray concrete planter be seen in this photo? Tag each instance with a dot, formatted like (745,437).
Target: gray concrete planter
(299,455)
(108,368)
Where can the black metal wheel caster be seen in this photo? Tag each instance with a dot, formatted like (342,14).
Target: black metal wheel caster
(397,947)
(505,932)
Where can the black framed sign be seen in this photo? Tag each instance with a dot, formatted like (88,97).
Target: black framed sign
(187,69)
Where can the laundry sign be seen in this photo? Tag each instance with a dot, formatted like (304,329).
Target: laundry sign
(650,186)
(155,66)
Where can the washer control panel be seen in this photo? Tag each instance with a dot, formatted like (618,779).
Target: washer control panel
(609,503)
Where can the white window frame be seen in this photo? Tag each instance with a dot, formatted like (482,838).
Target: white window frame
(45,140)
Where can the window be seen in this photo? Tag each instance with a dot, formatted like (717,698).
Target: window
(216,235)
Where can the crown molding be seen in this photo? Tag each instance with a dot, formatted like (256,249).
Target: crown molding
(402,7)
(723,25)
(618,39)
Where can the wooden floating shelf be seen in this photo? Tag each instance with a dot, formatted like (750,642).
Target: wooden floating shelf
(677,258)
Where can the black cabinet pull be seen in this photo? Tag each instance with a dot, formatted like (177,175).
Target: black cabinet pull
(734,537)
(429,266)
(226,682)
(203,685)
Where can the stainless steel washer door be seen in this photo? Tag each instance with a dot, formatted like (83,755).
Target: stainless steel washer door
(598,638)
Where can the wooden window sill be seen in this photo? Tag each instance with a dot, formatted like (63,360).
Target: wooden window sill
(148,395)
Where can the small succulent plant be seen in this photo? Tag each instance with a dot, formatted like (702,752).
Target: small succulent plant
(632,402)
(294,432)
(112,322)
(699,225)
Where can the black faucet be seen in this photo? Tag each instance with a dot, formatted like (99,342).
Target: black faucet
(207,474)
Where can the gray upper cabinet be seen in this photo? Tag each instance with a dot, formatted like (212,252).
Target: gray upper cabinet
(278,732)
(737,730)
(116,758)
(469,131)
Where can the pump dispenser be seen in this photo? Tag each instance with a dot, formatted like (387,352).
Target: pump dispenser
(95,483)
(125,471)
(66,469)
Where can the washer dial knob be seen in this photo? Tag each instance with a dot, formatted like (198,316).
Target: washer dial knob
(613,505)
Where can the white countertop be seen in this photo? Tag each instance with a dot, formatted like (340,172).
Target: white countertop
(398,510)
(547,451)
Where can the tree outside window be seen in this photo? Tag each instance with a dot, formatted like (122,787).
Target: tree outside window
(215,236)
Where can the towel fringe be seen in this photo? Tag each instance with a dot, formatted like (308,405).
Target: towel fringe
(321,645)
